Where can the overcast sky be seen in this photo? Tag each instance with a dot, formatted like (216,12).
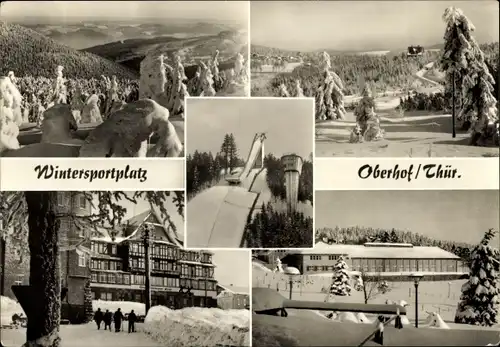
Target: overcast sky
(288,123)
(208,10)
(363,25)
(232,266)
(461,215)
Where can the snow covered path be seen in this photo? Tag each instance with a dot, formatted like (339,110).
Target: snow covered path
(83,336)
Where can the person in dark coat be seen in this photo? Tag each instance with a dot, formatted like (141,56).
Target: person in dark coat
(117,318)
(132,318)
(98,318)
(108,317)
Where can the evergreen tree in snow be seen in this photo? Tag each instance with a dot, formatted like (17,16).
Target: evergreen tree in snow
(464,64)
(340,279)
(329,96)
(481,293)
(367,122)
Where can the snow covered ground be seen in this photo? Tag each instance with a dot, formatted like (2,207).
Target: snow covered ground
(440,297)
(8,307)
(195,326)
(86,335)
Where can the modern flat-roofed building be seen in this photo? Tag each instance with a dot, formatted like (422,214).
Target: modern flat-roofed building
(390,260)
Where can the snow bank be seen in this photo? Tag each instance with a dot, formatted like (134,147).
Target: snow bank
(8,308)
(126,306)
(434,320)
(196,326)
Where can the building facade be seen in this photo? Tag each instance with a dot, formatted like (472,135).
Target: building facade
(233,298)
(179,278)
(396,261)
(74,248)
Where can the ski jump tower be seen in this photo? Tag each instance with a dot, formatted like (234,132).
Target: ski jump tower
(292,166)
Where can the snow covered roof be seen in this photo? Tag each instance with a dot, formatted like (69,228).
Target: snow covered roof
(135,224)
(386,251)
(235,289)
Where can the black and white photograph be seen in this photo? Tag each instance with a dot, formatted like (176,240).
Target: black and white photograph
(249,172)
(390,79)
(392,268)
(109,78)
(109,269)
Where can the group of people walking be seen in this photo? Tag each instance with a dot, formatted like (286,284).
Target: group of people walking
(117,317)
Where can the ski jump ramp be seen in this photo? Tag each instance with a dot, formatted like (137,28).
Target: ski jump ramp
(218,215)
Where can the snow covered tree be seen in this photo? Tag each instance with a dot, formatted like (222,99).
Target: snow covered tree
(465,66)
(481,293)
(367,122)
(340,280)
(329,95)
(233,152)
(42,214)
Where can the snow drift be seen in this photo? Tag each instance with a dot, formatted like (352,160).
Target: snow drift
(8,307)
(196,326)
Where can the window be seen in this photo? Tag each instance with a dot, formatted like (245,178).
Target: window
(379,265)
(425,265)
(432,263)
(126,279)
(332,257)
(371,265)
(315,257)
(138,297)
(413,265)
(60,199)
(93,295)
(82,260)
(103,296)
(94,277)
(102,277)
(406,265)
(325,268)
(356,264)
(113,249)
(109,296)
(111,278)
(82,201)
(400,264)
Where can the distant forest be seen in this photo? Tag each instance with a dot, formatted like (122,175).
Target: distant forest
(274,229)
(384,72)
(358,235)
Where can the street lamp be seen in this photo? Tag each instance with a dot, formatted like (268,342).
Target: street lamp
(416,279)
(291,272)
(146,238)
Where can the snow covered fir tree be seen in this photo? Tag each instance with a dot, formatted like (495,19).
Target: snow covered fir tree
(329,95)
(481,293)
(367,122)
(340,280)
(466,69)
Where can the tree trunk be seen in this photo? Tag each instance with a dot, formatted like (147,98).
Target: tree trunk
(45,284)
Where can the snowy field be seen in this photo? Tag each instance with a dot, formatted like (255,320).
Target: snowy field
(440,297)
(8,307)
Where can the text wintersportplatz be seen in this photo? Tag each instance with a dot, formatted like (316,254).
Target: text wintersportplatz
(54,172)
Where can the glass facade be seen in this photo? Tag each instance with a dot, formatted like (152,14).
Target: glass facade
(394,265)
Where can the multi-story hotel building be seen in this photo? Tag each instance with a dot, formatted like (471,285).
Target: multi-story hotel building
(389,260)
(118,267)
(113,269)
